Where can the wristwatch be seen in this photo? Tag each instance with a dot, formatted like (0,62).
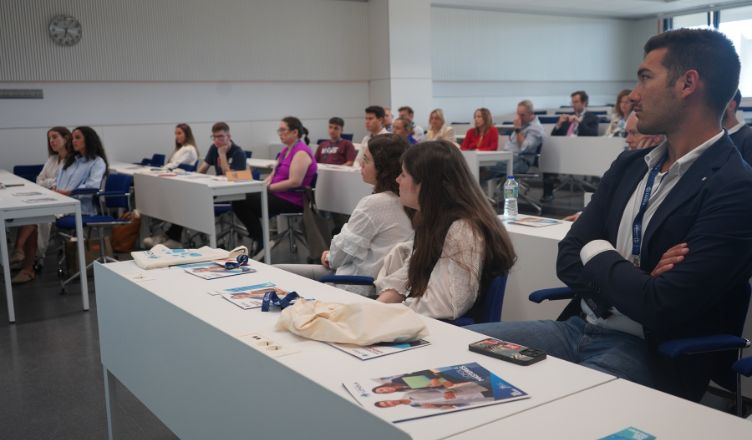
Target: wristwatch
(517,130)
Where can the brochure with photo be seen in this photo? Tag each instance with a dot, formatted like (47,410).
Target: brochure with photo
(378,350)
(432,392)
(250,297)
(534,222)
(212,270)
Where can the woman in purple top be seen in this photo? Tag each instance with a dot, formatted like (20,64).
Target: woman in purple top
(296,167)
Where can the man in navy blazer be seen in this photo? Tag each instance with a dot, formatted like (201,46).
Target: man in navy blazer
(664,249)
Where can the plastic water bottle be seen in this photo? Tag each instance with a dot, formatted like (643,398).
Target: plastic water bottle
(511,191)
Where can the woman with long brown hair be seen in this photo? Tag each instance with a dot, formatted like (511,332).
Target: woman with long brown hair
(185,152)
(460,244)
(483,136)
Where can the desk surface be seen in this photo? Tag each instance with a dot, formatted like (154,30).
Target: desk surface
(325,367)
(612,407)
(29,195)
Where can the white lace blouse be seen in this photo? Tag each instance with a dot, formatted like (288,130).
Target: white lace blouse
(376,225)
(455,279)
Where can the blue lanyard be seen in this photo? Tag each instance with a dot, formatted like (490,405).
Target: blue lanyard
(637,224)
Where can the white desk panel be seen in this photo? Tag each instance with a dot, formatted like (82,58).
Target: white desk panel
(339,188)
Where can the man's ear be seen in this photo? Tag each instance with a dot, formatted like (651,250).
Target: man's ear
(689,83)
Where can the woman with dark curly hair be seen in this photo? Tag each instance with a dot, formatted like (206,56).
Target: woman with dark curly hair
(378,222)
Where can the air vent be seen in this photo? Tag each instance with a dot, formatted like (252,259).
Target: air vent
(21,94)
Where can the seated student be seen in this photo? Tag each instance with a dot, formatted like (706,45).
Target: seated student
(406,112)
(616,128)
(689,202)
(401,128)
(460,244)
(84,169)
(483,136)
(374,125)
(388,119)
(335,150)
(739,132)
(224,155)
(296,167)
(527,137)
(378,222)
(36,236)
(185,152)
(438,128)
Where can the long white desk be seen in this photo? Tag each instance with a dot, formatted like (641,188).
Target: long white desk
(266,164)
(339,188)
(186,362)
(188,200)
(582,156)
(535,269)
(17,208)
(613,407)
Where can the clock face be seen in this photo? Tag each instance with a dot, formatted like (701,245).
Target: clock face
(65,30)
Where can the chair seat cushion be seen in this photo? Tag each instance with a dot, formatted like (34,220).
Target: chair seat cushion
(69,221)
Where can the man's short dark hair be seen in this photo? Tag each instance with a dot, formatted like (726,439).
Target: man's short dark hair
(406,108)
(738,98)
(337,121)
(708,52)
(220,126)
(583,96)
(376,110)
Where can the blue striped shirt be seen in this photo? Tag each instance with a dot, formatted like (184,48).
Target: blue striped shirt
(83,173)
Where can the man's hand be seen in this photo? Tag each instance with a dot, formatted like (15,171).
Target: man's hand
(390,296)
(670,258)
(562,119)
(325,259)
(517,123)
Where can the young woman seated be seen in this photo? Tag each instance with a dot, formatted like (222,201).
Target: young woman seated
(460,245)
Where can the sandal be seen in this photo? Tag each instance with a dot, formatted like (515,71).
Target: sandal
(23,277)
(17,257)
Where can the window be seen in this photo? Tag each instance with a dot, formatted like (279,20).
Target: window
(691,21)
(736,24)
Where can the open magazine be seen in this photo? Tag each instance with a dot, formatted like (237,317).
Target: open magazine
(432,392)
(211,270)
(249,297)
(378,350)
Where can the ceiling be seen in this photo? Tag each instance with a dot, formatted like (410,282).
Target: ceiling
(599,8)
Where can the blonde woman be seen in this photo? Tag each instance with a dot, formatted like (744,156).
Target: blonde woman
(438,128)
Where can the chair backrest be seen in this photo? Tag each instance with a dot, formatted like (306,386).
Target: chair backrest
(723,374)
(347,136)
(118,184)
(488,306)
(548,119)
(319,141)
(248,154)
(188,167)
(157,160)
(28,172)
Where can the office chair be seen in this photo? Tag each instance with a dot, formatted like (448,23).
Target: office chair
(291,233)
(157,160)
(487,307)
(115,196)
(189,168)
(28,172)
(532,158)
(723,373)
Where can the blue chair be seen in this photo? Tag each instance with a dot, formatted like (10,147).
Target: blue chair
(248,154)
(723,374)
(189,168)
(548,119)
(347,136)
(291,233)
(487,307)
(157,160)
(115,196)
(28,172)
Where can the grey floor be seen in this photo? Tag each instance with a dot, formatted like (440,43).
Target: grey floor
(51,384)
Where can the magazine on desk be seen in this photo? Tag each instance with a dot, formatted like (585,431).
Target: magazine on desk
(432,392)
(378,350)
(211,270)
(534,222)
(249,297)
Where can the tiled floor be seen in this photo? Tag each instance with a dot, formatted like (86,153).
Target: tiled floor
(51,384)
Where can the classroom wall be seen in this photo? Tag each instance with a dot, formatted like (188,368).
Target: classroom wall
(495,59)
(144,65)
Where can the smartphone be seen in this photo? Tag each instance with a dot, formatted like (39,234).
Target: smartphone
(508,351)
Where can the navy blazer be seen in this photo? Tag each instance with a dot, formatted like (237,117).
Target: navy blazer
(588,126)
(710,209)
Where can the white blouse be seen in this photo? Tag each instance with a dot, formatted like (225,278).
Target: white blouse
(446,133)
(376,225)
(185,155)
(455,279)
(48,175)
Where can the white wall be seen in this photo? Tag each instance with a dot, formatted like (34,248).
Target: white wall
(494,59)
(144,65)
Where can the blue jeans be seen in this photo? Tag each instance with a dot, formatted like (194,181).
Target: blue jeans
(574,340)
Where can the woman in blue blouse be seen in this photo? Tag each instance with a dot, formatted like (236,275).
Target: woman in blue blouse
(84,169)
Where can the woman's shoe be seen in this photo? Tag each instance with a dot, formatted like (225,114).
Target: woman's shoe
(17,256)
(23,277)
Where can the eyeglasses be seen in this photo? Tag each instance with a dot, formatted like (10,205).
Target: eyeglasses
(241,260)
(218,136)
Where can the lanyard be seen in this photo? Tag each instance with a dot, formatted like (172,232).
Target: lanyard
(271,299)
(637,224)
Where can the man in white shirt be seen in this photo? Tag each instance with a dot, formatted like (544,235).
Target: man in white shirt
(374,125)
(740,132)
(664,249)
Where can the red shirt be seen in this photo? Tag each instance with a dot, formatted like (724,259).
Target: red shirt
(487,142)
(335,152)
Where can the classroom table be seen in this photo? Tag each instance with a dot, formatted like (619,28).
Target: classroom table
(188,200)
(581,156)
(339,188)
(611,408)
(26,203)
(187,360)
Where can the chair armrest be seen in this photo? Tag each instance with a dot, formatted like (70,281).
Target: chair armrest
(357,280)
(113,194)
(462,321)
(702,344)
(744,366)
(84,191)
(552,294)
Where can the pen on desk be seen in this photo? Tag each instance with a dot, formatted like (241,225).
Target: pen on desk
(10,185)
